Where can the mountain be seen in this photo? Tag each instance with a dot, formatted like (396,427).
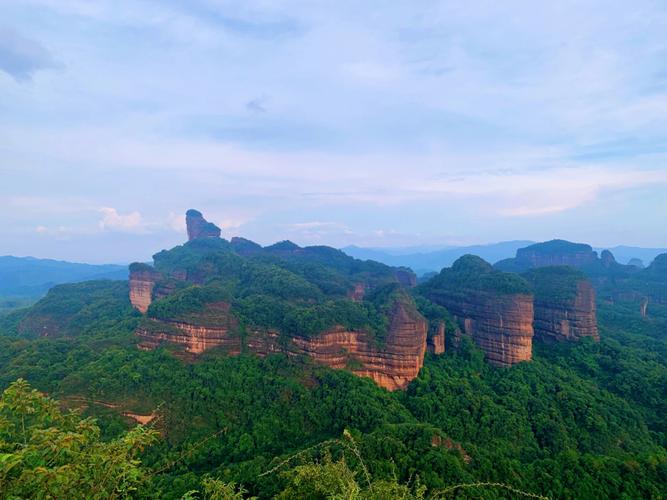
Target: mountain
(29,277)
(268,367)
(424,261)
(625,254)
(368,317)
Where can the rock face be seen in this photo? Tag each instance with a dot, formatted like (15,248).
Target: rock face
(392,364)
(406,277)
(198,227)
(494,308)
(142,283)
(357,294)
(556,253)
(607,259)
(570,320)
(502,325)
(436,341)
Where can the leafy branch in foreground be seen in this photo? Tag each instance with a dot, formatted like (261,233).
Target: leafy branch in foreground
(48,453)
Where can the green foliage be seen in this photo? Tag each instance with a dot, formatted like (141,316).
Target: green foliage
(214,489)
(555,284)
(74,309)
(186,302)
(583,420)
(556,247)
(45,453)
(185,256)
(303,298)
(472,274)
(9,304)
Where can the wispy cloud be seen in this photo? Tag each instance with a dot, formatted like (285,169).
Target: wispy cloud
(330,121)
(21,57)
(113,221)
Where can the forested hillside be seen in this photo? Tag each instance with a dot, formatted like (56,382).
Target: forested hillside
(582,420)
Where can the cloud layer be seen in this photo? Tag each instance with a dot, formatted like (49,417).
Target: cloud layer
(418,123)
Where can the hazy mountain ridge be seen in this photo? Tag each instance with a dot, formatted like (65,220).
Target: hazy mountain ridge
(264,388)
(32,277)
(434,260)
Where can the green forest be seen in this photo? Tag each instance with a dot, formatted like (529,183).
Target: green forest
(582,420)
(85,413)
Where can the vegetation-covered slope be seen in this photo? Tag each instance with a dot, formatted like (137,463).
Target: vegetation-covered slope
(582,421)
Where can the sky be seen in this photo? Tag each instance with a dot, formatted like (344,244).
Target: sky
(379,124)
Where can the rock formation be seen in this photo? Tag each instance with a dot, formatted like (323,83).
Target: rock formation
(406,277)
(198,227)
(501,325)
(607,259)
(564,304)
(142,283)
(357,294)
(494,308)
(194,337)
(436,341)
(391,364)
(571,320)
(557,253)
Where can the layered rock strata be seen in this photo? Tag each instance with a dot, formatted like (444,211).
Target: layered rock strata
(406,277)
(143,279)
(392,364)
(436,341)
(198,227)
(501,325)
(567,320)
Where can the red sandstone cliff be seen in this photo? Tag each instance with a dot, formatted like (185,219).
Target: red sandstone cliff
(198,227)
(142,283)
(501,325)
(569,320)
(392,364)
(436,341)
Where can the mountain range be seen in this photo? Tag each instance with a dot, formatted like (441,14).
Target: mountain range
(424,260)
(28,277)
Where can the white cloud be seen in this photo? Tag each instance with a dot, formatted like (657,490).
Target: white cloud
(176,222)
(113,221)
(436,109)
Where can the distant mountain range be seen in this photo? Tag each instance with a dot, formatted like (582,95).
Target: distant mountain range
(425,260)
(29,277)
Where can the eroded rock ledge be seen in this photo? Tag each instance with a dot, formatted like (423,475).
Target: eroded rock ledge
(392,364)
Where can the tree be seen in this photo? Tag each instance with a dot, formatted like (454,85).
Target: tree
(48,453)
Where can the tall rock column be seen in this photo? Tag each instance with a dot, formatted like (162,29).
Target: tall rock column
(198,227)
(142,282)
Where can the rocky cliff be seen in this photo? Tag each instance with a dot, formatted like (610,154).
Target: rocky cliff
(436,341)
(551,253)
(502,325)
(406,277)
(494,308)
(195,336)
(198,227)
(392,363)
(143,279)
(557,253)
(564,304)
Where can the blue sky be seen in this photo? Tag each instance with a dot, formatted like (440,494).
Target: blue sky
(369,123)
